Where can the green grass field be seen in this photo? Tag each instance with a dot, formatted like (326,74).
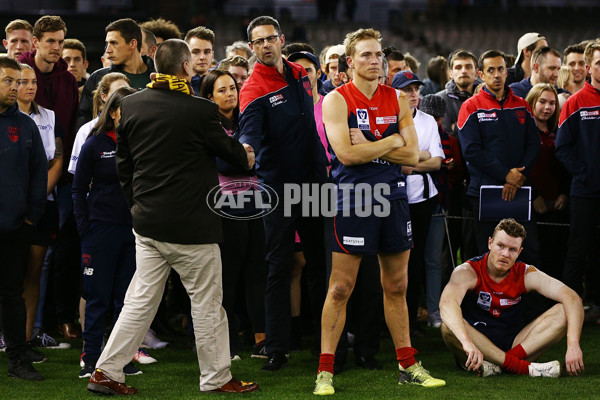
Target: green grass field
(175,376)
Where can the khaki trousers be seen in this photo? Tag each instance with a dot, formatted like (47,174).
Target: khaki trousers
(199,266)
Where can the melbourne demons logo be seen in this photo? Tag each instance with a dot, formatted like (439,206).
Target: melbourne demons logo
(86,259)
(520,116)
(13,133)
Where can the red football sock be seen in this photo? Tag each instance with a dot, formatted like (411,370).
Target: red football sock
(326,362)
(518,352)
(516,366)
(406,356)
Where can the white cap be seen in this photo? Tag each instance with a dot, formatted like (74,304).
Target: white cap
(338,49)
(525,41)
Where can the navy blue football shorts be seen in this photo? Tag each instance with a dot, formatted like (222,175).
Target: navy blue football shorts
(373,234)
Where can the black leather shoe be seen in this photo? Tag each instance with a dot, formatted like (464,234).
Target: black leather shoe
(275,361)
(368,362)
(23,370)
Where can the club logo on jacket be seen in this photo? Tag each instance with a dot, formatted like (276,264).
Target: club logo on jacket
(108,154)
(13,133)
(520,116)
(362,119)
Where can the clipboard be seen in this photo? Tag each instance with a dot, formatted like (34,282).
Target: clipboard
(493,208)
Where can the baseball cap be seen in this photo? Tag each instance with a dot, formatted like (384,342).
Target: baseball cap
(433,105)
(338,49)
(525,41)
(304,54)
(405,78)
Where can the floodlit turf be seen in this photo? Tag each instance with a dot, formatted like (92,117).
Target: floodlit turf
(175,376)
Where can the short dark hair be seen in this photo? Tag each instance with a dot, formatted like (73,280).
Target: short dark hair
(574,48)
(105,122)
(510,226)
(541,53)
(260,21)
(76,44)
(489,54)
(169,56)
(393,54)
(412,62)
(461,54)
(18,24)
(150,38)
(128,28)
(162,28)
(9,62)
(48,23)
(437,70)
(297,48)
(201,32)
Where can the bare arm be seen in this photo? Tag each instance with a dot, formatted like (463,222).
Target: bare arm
(463,279)
(55,166)
(335,111)
(407,155)
(558,291)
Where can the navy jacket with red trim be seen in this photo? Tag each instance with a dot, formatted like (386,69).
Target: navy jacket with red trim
(495,137)
(277,120)
(578,140)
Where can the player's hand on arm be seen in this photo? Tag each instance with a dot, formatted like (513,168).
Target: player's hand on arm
(463,279)
(357,136)
(509,192)
(407,155)
(407,170)
(335,112)
(424,155)
(515,177)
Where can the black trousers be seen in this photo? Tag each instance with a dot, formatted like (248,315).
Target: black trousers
(420,218)
(14,250)
(585,216)
(244,266)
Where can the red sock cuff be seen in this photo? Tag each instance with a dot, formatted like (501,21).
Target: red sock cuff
(514,365)
(406,356)
(326,361)
(518,352)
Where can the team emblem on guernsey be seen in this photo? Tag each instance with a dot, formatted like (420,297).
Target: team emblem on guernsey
(520,116)
(484,300)
(13,133)
(362,119)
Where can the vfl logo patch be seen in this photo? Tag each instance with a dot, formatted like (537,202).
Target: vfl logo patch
(520,116)
(362,119)
(354,241)
(483,116)
(484,300)
(13,133)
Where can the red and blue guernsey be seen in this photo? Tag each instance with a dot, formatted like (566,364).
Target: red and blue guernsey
(377,118)
(578,141)
(496,136)
(495,304)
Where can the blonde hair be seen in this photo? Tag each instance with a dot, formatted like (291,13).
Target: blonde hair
(590,49)
(354,37)
(564,76)
(533,97)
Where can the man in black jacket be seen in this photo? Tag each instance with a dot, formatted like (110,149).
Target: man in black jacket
(123,46)
(167,167)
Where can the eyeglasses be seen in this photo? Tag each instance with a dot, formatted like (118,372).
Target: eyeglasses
(542,51)
(261,42)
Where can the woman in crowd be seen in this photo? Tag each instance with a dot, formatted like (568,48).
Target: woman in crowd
(242,250)
(550,179)
(105,227)
(47,228)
